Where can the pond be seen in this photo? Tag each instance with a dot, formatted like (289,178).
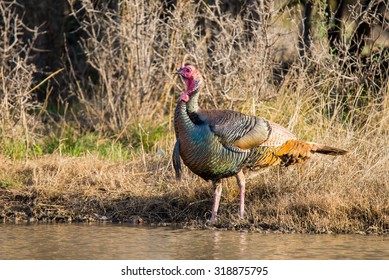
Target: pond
(117,241)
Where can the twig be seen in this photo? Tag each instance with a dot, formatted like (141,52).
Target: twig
(48,77)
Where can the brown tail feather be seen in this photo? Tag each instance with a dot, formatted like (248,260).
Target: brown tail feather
(327,150)
(289,153)
(296,151)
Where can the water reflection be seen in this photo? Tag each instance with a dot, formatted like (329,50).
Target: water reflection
(99,241)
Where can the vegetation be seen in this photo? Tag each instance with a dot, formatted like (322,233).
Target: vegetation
(93,141)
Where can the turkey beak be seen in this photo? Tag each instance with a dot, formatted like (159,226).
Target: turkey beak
(178,72)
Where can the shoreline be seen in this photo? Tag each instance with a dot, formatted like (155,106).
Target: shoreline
(55,188)
(173,225)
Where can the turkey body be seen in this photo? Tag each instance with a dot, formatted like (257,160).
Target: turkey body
(216,144)
(202,151)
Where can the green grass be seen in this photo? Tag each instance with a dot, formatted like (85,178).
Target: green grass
(83,144)
(17,148)
(71,142)
(8,183)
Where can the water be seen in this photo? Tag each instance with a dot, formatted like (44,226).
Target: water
(110,241)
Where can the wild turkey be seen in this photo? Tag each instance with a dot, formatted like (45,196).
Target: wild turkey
(216,144)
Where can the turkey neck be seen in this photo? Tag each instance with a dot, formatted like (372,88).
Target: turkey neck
(192,108)
(193,103)
(184,110)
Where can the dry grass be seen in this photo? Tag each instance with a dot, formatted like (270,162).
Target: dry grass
(50,169)
(341,195)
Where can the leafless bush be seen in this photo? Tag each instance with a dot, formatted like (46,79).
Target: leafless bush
(133,50)
(126,86)
(16,78)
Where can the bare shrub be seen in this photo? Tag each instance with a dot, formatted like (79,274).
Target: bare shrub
(125,86)
(17,103)
(134,52)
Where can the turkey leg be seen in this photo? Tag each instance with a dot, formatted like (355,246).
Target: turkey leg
(242,188)
(217,191)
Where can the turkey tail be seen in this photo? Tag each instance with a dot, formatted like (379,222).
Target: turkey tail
(297,151)
(327,150)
